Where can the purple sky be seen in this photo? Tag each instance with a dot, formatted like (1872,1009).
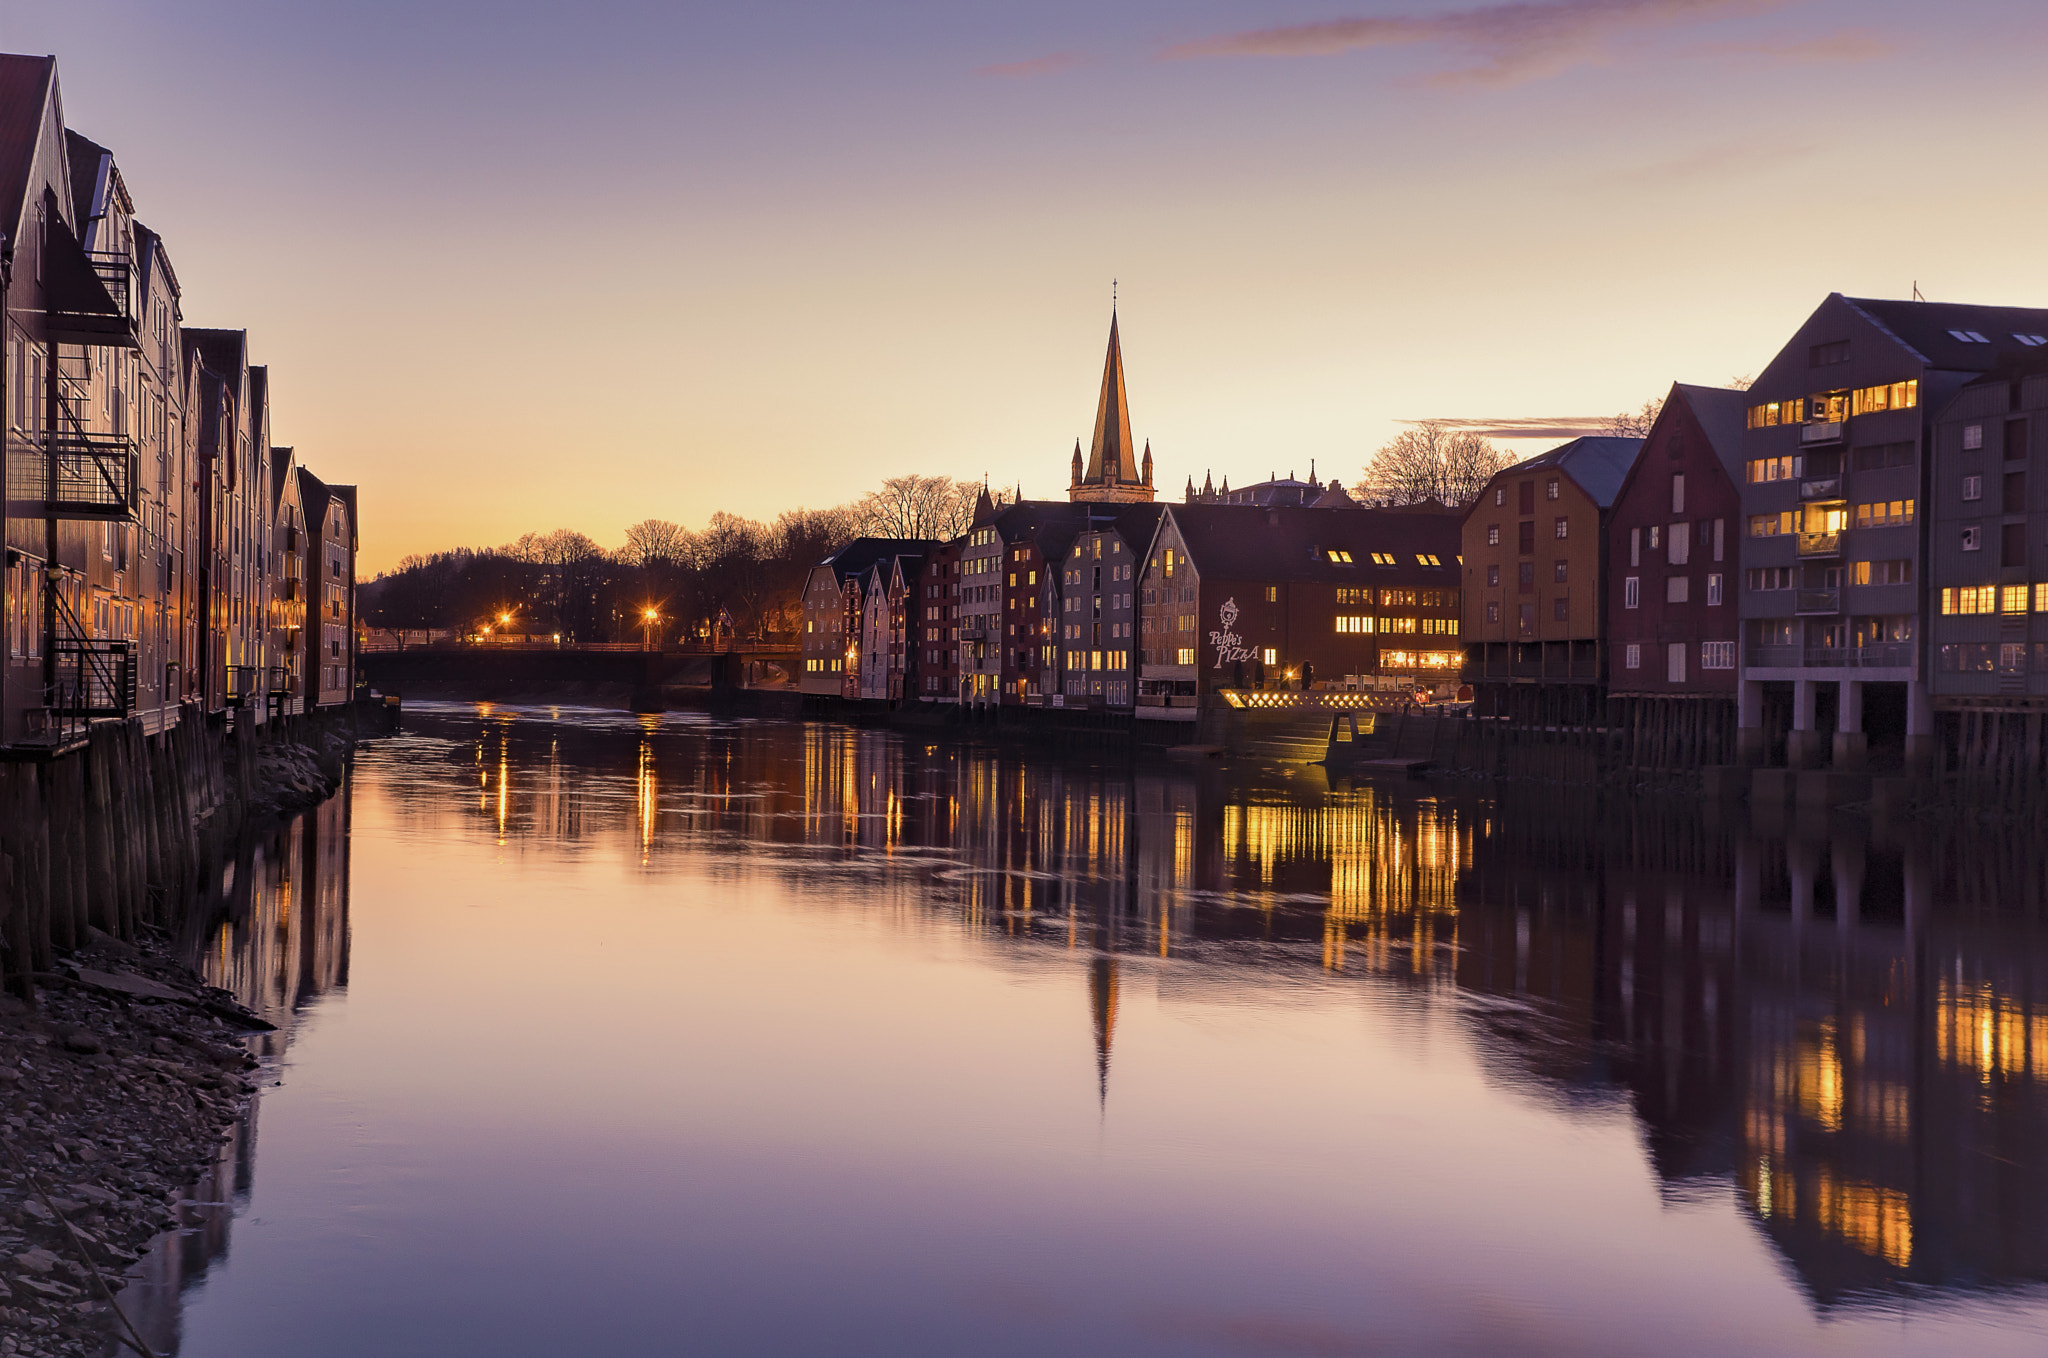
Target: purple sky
(522,267)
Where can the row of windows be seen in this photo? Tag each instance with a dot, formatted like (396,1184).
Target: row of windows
(2008,599)
(822,666)
(1366,626)
(1714,655)
(1525,618)
(1992,657)
(1098,660)
(1677,590)
(1832,518)
(1394,598)
(1832,407)
(1560,527)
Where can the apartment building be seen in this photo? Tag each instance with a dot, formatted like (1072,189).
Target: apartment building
(141,495)
(1836,473)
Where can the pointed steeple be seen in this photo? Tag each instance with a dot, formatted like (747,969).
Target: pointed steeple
(1208,484)
(1112,473)
(1077,465)
(1189,497)
(984,507)
(1148,462)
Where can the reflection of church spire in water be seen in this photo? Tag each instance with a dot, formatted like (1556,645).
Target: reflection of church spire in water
(1102,1000)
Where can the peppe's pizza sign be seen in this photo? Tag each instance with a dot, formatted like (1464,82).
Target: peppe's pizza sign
(1230,647)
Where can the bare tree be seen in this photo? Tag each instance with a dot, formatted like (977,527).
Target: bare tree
(1431,461)
(1633,425)
(934,507)
(657,542)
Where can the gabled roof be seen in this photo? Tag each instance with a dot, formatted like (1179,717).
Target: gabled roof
(1282,545)
(857,556)
(280,469)
(86,158)
(1723,413)
(28,86)
(1597,465)
(1042,521)
(1925,328)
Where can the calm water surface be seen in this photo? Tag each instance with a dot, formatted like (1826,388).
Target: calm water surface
(604,1035)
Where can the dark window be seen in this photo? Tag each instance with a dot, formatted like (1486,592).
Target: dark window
(2015,440)
(1824,355)
(2015,492)
(1526,537)
(1881,455)
(1525,580)
(1526,497)
(1561,610)
(1558,572)
(1493,575)
(2012,545)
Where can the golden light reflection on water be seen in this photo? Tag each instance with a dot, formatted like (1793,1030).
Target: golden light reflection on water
(1810,1056)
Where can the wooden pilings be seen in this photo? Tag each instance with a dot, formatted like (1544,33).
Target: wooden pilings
(116,832)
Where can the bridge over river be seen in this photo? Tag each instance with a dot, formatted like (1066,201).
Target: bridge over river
(614,673)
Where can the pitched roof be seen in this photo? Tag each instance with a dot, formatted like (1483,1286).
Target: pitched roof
(86,159)
(1246,542)
(1925,327)
(1596,464)
(857,556)
(1723,413)
(27,86)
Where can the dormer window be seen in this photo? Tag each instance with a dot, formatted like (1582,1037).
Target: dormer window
(1428,559)
(1384,559)
(1968,336)
(2031,341)
(1338,558)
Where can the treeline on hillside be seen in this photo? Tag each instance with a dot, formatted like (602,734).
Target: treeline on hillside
(735,573)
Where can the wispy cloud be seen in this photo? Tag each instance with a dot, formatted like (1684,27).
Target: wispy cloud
(1849,46)
(1046,65)
(1560,427)
(1506,43)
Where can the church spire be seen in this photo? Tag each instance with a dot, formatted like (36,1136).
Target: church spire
(1113,472)
(1148,462)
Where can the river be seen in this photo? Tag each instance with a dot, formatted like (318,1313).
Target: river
(615,1035)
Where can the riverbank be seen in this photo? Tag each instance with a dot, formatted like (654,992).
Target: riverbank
(115,1092)
(121,1073)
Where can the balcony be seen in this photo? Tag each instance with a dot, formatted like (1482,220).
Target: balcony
(1881,655)
(1821,488)
(1807,602)
(1820,544)
(92,678)
(1820,435)
(80,476)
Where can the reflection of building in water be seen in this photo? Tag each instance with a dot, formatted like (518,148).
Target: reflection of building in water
(277,940)
(1848,1037)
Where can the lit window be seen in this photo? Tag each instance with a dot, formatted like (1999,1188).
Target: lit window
(1493,535)
(1339,558)
(1428,559)
(1354,624)
(1562,528)
(1269,656)
(2012,599)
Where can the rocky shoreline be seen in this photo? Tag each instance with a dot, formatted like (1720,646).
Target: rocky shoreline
(117,1089)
